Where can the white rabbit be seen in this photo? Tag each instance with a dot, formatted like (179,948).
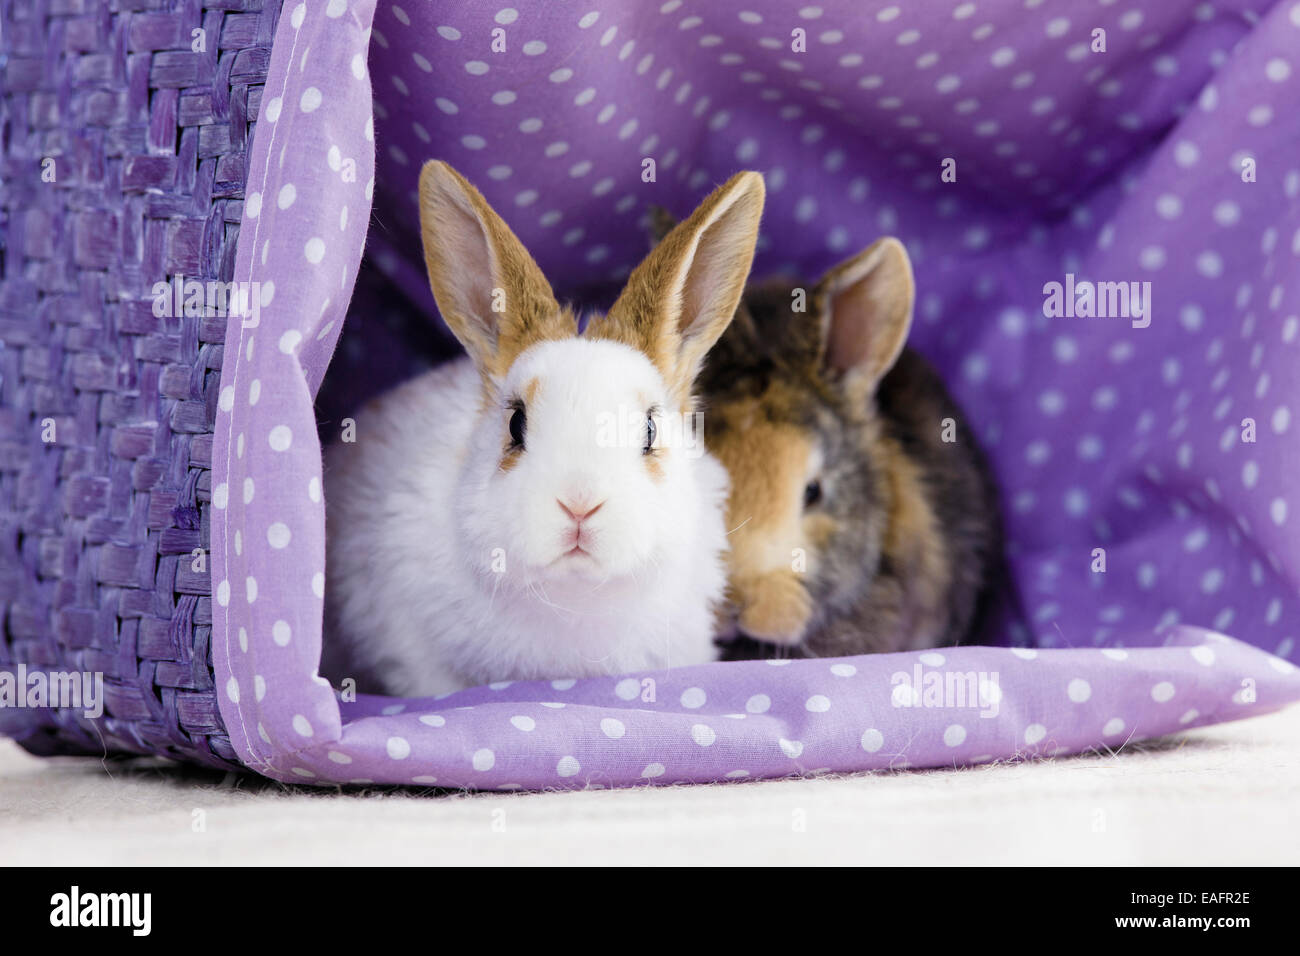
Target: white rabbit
(489,523)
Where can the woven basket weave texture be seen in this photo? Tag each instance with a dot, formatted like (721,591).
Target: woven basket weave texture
(127,127)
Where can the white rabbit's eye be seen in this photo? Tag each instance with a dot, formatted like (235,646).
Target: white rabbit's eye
(517,422)
(650,432)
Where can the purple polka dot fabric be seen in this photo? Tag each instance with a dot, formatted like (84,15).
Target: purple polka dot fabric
(1147,460)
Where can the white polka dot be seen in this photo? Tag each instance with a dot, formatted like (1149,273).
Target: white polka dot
(483,760)
(653,770)
(232,690)
(398,748)
(1079,690)
(313,489)
(568,767)
(288,193)
(1169,206)
(273,107)
(817,704)
(314,250)
(758,704)
(1277,511)
(612,728)
(872,740)
(1162,692)
(791,748)
(693,698)
(278,535)
(226,400)
(318,584)
(629,688)
(523,723)
(311,99)
(954,735)
(703,735)
(289,341)
(1034,733)
(843,670)
(223,593)
(433,720)
(280,438)
(1113,726)
(1227,213)
(302,726)
(250,589)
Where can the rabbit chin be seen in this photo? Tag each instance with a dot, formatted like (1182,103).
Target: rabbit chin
(590,570)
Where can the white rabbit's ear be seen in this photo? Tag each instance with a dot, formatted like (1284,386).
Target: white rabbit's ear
(488,288)
(678,301)
(865,304)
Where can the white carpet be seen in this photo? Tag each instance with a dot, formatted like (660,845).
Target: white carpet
(1221,795)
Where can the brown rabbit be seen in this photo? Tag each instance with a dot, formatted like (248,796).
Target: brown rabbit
(864,517)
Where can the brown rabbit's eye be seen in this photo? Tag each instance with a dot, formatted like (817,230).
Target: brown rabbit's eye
(517,422)
(650,433)
(812,493)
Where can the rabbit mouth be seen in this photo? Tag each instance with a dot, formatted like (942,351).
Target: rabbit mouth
(576,560)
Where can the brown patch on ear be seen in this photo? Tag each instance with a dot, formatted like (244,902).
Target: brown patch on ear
(865,306)
(681,297)
(654,466)
(475,263)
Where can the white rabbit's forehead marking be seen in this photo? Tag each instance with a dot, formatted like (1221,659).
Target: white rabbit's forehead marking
(596,370)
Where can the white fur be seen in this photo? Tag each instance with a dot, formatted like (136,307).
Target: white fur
(418,505)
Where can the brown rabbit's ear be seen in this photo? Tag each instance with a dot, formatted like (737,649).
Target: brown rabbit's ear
(488,288)
(865,305)
(678,301)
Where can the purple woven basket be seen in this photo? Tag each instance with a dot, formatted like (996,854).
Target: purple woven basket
(126,136)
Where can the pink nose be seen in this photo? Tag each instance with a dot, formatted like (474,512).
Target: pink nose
(578,512)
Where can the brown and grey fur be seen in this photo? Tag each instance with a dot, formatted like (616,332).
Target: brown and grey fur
(904,550)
